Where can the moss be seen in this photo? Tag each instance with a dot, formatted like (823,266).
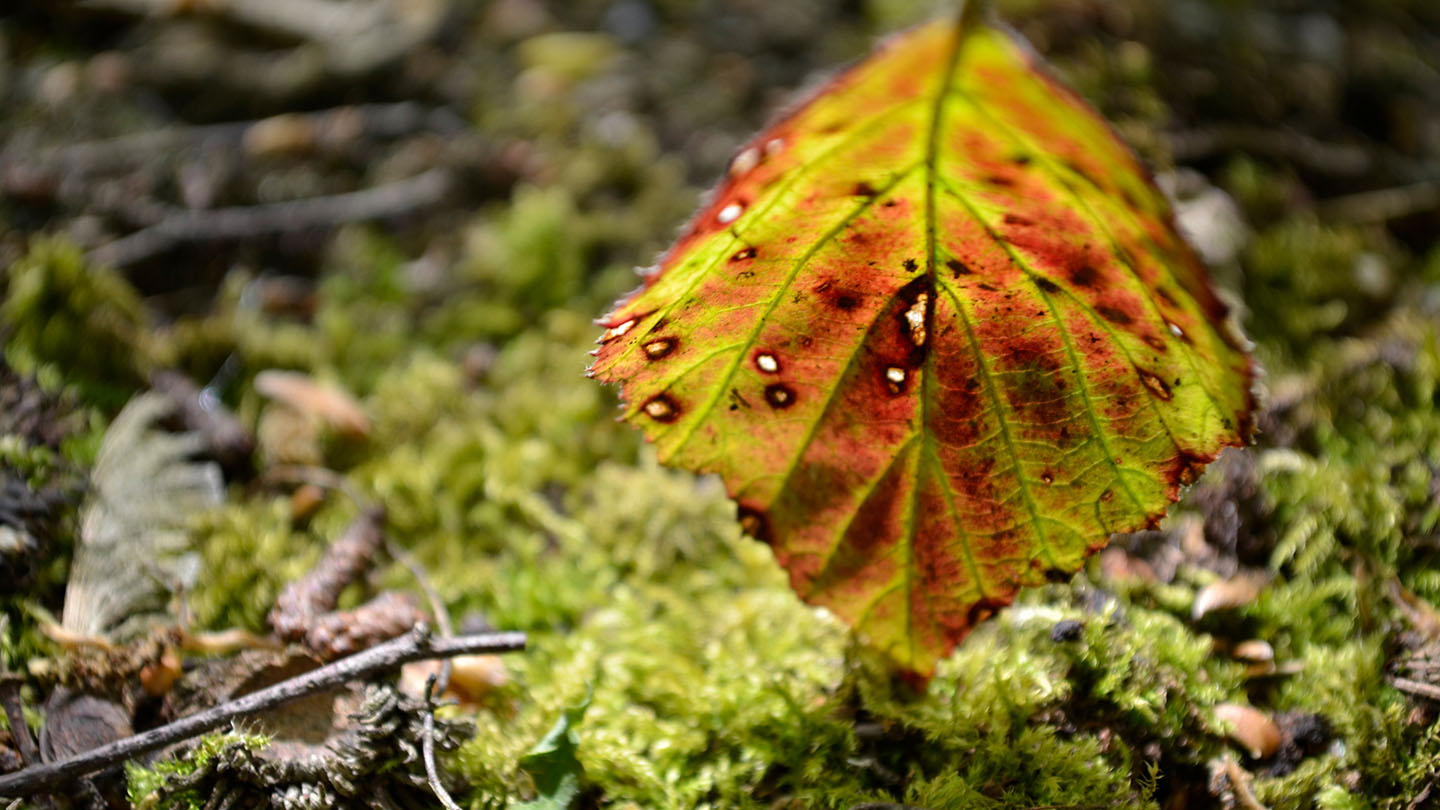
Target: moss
(88,321)
(503,470)
(145,783)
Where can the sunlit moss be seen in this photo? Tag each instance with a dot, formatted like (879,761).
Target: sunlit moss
(86,320)
(504,472)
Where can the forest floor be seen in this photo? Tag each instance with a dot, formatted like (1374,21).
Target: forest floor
(421,207)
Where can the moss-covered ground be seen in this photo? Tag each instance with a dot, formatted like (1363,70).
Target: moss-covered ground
(505,472)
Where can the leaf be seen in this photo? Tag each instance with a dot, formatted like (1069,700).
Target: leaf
(938,334)
(134,544)
(553,763)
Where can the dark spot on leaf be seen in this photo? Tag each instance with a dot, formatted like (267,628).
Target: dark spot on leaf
(1166,296)
(1021,160)
(1108,495)
(1047,285)
(1056,575)
(957,268)
(986,287)
(743,254)
(1047,477)
(660,347)
(1114,315)
(754,524)
(779,396)
(1154,342)
(738,400)
(864,189)
(895,379)
(1157,386)
(1084,275)
(1016,219)
(846,301)
(911,265)
(661,408)
(916,297)
(890,203)
(982,610)
(997,180)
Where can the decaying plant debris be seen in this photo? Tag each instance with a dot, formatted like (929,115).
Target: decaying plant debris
(567,141)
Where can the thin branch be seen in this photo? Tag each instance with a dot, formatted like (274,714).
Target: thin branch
(1333,158)
(249,222)
(436,683)
(1240,785)
(437,605)
(1414,687)
(15,714)
(1382,205)
(418,645)
(427,744)
(345,124)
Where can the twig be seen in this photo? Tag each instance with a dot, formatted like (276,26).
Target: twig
(10,697)
(1421,797)
(427,746)
(417,645)
(356,38)
(436,683)
(1332,158)
(437,605)
(346,558)
(1240,785)
(1414,687)
(248,222)
(127,152)
(1383,204)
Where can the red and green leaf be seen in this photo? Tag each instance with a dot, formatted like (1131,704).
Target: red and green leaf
(937,333)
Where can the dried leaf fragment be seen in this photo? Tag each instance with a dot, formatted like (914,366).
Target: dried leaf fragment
(1237,591)
(325,402)
(1251,728)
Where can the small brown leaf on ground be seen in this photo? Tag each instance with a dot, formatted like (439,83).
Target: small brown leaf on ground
(328,403)
(1251,728)
(1254,650)
(1237,591)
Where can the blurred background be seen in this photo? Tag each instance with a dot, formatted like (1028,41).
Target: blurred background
(424,203)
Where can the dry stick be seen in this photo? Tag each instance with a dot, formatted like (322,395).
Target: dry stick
(1383,204)
(10,698)
(126,152)
(436,683)
(1333,158)
(248,222)
(1414,687)
(1240,785)
(417,645)
(427,746)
